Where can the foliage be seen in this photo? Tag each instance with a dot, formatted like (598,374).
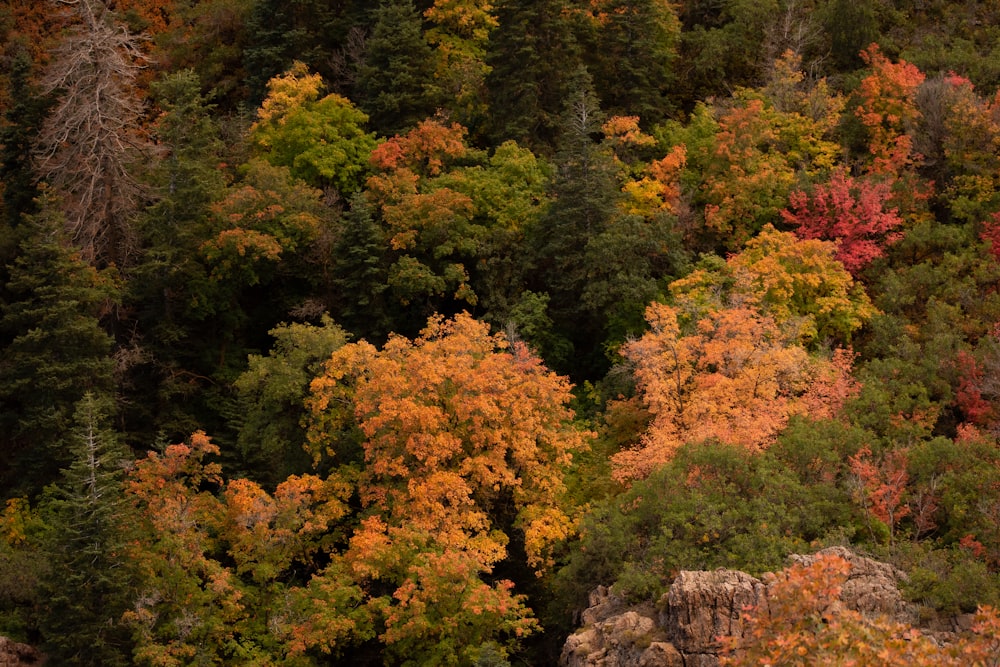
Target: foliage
(729,375)
(852,212)
(56,350)
(90,582)
(321,141)
(465,439)
(273,390)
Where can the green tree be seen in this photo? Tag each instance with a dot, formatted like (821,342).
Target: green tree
(395,84)
(311,31)
(272,393)
(321,140)
(56,351)
(533,55)
(184,183)
(90,583)
(22,120)
(631,51)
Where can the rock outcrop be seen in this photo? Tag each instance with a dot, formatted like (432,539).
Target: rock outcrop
(682,629)
(13,654)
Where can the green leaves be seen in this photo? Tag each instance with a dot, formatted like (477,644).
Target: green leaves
(321,140)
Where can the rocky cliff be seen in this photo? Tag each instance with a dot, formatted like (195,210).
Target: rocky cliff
(682,628)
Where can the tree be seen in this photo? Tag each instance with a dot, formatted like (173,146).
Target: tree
(533,55)
(798,283)
(755,160)
(222,560)
(853,212)
(585,190)
(452,222)
(167,370)
(57,350)
(90,140)
(272,392)
(322,141)
(395,84)
(465,440)
(888,110)
(632,55)
(22,120)
(90,583)
(729,375)
(460,36)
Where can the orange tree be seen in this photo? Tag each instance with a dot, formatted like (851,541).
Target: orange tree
(465,440)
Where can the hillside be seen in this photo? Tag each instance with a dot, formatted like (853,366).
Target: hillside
(383,333)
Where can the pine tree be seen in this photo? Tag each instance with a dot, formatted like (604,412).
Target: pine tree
(533,54)
(396,81)
(585,190)
(17,134)
(88,586)
(57,351)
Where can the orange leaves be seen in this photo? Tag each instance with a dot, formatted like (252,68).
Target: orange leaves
(803,622)
(453,421)
(425,149)
(881,485)
(734,378)
(888,109)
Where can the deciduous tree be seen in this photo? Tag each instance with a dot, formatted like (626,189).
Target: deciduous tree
(730,375)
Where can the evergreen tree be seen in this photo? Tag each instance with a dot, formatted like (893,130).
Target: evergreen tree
(585,190)
(184,182)
(396,81)
(631,49)
(88,586)
(17,135)
(360,273)
(57,351)
(309,31)
(533,54)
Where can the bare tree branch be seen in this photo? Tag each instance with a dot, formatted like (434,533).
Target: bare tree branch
(91,137)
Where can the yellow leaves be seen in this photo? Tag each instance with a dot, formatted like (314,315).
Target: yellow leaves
(286,92)
(15,521)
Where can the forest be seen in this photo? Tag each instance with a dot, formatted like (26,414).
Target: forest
(344,332)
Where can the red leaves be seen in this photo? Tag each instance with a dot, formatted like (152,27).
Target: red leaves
(852,212)
(882,485)
(969,395)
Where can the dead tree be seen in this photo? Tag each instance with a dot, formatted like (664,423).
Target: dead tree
(91,138)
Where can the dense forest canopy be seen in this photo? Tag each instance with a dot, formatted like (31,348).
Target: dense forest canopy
(384,331)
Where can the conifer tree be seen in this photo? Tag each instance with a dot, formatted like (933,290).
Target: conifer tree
(396,81)
(88,585)
(17,134)
(57,351)
(585,190)
(533,54)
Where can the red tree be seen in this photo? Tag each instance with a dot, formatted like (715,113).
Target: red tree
(850,211)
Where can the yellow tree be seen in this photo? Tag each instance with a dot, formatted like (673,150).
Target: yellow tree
(799,283)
